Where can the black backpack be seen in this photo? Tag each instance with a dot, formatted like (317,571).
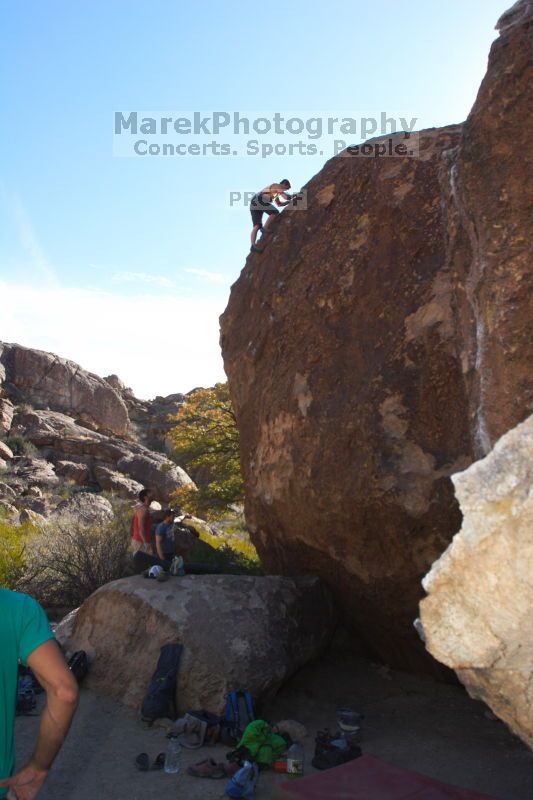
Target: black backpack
(328,754)
(78,664)
(26,701)
(159,701)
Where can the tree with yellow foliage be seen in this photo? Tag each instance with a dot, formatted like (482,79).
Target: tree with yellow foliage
(205,439)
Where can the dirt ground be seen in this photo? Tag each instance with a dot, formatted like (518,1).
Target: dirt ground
(413,722)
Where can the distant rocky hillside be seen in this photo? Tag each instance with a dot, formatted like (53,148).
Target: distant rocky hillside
(382,343)
(60,424)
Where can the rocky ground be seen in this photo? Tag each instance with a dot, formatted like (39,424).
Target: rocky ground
(412,722)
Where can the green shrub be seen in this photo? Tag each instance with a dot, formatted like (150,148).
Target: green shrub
(70,559)
(205,440)
(66,489)
(21,446)
(231,552)
(13,552)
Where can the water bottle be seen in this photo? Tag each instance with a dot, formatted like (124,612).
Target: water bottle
(295,760)
(173,755)
(244,782)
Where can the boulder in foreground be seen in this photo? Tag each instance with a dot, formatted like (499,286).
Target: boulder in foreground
(478,617)
(238,632)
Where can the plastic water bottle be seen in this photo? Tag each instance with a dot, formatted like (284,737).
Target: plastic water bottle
(244,782)
(173,755)
(295,760)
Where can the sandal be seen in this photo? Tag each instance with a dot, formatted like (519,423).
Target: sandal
(207,769)
(142,762)
(159,763)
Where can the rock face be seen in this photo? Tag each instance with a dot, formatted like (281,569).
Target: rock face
(72,471)
(150,419)
(6,415)
(46,381)
(81,427)
(114,481)
(489,182)
(28,473)
(90,508)
(379,345)
(478,616)
(237,632)
(116,464)
(5,451)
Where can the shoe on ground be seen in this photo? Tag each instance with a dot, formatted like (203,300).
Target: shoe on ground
(207,769)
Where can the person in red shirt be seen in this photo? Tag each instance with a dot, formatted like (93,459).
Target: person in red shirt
(141,529)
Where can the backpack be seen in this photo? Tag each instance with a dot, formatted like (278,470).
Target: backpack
(197,728)
(177,566)
(78,664)
(240,711)
(332,751)
(243,782)
(159,700)
(26,701)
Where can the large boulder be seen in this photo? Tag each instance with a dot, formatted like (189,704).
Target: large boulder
(45,428)
(478,616)
(5,451)
(380,344)
(6,415)
(154,470)
(114,481)
(73,471)
(488,181)
(28,472)
(7,491)
(343,367)
(48,381)
(237,632)
(85,507)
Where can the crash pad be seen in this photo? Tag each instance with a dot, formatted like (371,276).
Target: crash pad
(369,777)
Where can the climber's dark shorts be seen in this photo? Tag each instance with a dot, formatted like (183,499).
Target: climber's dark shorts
(258,207)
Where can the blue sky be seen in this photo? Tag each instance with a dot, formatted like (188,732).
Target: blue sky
(124,264)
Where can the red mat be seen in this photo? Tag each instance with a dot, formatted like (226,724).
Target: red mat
(368,778)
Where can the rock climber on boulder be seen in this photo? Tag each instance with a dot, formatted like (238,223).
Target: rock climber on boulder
(263,203)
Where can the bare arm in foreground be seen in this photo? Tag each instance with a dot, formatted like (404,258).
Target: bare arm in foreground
(61,689)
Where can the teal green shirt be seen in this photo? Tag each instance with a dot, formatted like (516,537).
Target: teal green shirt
(23,628)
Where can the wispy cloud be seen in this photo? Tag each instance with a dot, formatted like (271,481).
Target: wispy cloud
(212,277)
(30,244)
(142,277)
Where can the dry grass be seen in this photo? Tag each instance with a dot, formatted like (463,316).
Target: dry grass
(70,559)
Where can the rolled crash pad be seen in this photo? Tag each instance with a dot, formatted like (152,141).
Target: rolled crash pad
(369,777)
